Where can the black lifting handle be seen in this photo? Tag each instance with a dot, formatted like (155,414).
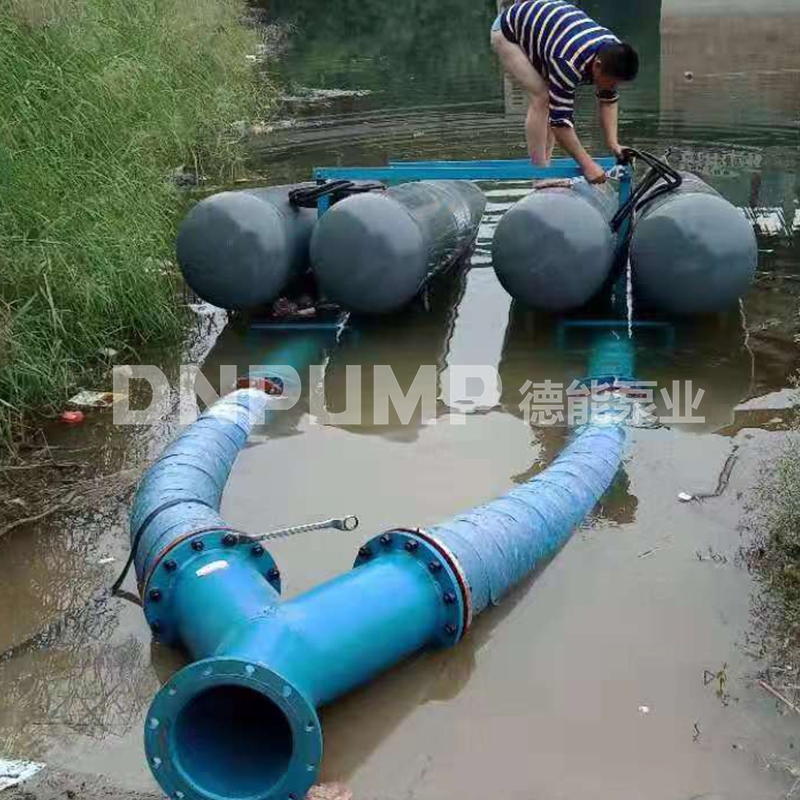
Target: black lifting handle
(660,172)
(308,196)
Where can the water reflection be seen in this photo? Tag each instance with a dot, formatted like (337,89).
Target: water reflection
(242,351)
(419,337)
(358,724)
(89,681)
(715,353)
(724,64)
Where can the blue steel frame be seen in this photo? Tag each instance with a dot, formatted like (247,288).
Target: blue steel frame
(515,169)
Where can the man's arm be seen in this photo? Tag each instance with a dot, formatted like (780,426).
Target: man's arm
(609,122)
(569,141)
(563,80)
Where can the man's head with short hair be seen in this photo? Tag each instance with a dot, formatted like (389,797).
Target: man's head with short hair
(614,64)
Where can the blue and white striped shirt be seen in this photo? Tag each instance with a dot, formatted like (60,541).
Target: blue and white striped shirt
(561,41)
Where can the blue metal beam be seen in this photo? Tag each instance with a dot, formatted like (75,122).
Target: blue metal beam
(502,163)
(489,170)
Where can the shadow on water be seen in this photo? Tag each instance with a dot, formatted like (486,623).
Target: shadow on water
(353,729)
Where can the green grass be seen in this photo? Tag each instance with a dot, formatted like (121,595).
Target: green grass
(100,100)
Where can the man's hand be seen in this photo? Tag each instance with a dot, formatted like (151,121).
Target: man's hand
(619,151)
(594,173)
(568,139)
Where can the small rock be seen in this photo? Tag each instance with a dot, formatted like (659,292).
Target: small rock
(202,309)
(329,791)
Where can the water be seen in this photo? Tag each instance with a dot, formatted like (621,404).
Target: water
(543,699)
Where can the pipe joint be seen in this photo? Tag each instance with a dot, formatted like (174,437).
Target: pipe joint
(413,544)
(185,560)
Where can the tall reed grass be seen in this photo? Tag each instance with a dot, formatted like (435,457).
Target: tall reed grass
(100,100)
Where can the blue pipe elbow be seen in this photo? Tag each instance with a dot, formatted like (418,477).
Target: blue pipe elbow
(241,721)
(500,543)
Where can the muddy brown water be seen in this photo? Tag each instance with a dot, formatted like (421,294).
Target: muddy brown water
(589,680)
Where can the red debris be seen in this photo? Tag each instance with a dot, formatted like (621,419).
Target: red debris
(72,417)
(273,387)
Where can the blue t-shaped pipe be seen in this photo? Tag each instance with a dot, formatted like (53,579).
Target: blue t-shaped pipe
(241,721)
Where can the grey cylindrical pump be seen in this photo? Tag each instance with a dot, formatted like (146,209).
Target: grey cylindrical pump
(554,249)
(372,253)
(238,250)
(692,251)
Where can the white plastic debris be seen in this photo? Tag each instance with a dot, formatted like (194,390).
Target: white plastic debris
(87,399)
(685,497)
(108,352)
(644,709)
(14,772)
(106,560)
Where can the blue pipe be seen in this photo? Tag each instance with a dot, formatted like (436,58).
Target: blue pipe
(241,721)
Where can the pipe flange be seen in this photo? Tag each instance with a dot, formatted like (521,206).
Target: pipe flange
(184,554)
(413,545)
(280,732)
(455,565)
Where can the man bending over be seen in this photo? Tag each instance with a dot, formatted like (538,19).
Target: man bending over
(550,48)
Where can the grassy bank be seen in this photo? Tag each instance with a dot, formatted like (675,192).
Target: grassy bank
(772,553)
(100,100)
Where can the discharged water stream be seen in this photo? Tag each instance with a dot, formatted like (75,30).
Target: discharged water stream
(591,681)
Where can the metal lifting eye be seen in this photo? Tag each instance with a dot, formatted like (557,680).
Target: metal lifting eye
(349,523)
